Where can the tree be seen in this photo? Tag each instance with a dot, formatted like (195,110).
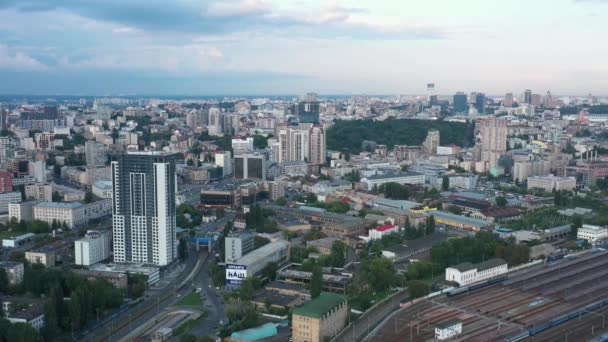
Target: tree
(57,197)
(89,197)
(501,201)
(445,183)
(182,249)
(3,281)
(337,257)
(418,289)
(379,273)
(311,198)
(430,225)
(316,282)
(247,288)
(281,201)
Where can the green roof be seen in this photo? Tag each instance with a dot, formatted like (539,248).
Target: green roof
(320,305)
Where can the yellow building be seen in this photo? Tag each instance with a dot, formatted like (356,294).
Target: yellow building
(324,316)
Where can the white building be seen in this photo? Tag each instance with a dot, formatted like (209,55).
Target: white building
(71,213)
(24,310)
(380,231)
(224,160)
(237,245)
(550,183)
(102,189)
(8,198)
(93,248)
(22,211)
(467,273)
(446,330)
(252,263)
(592,233)
(242,146)
(401,178)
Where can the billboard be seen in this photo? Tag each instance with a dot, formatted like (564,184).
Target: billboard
(235,274)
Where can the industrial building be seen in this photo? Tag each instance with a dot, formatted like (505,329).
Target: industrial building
(252,263)
(467,273)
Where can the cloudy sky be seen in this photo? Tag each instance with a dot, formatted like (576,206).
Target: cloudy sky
(213,47)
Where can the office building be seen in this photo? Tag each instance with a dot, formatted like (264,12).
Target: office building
(309,112)
(237,245)
(93,248)
(250,166)
(431,142)
(524,169)
(195,119)
(320,319)
(508,100)
(460,102)
(550,183)
(224,160)
(144,207)
(317,145)
(242,146)
(8,198)
(401,178)
(216,122)
(71,214)
(38,170)
(536,100)
(95,153)
(480,103)
(493,140)
(7,149)
(528,96)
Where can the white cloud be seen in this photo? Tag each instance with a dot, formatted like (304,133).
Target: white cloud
(234,8)
(124,29)
(17,60)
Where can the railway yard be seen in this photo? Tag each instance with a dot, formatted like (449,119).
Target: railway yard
(564,300)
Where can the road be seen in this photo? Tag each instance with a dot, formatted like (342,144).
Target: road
(156,299)
(214,303)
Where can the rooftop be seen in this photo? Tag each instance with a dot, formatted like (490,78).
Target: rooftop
(320,305)
(261,252)
(384,227)
(65,205)
(448,324)
(467,266)
(395,175)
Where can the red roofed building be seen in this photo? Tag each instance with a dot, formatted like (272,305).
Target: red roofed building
(378,232)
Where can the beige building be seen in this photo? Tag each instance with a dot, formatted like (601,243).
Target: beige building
(550,183)
(44,257)
(72,213)
(320,318)
(524,169)
(493,139)
(431,142)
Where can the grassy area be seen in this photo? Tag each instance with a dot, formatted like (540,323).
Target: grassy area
(189,324)
(191,299)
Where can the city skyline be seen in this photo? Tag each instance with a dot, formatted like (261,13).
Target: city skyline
(270,47)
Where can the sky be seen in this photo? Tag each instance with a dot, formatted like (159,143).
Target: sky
(250,47)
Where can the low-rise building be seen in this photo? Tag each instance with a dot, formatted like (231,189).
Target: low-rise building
(255,261)
(24,310)
(446,330)
(102,189)
(73,214)
(14,271)
(322,245)
(401,178)
(319,319)
(18,241)
(592,233)
(550,183)
(117,279)
(237,245)
(93,248)
(150,272)
(380,231)
(468,273)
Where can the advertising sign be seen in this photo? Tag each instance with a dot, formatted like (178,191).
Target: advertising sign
(235,274)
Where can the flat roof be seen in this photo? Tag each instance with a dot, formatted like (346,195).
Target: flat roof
(466,266)
(321,305)
(66,205)
(261,252)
